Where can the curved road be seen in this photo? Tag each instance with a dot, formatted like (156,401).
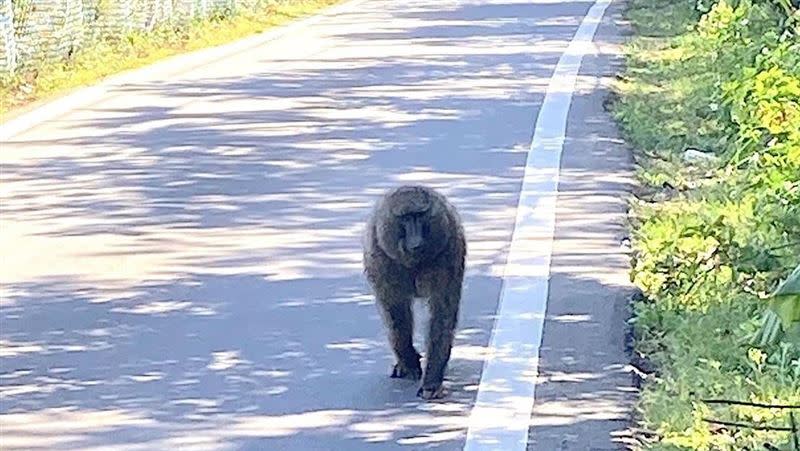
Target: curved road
(182,264)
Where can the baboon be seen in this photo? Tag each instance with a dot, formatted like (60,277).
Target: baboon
(415,248)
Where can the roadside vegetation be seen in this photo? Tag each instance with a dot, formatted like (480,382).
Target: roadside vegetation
(113,54)
(710,101)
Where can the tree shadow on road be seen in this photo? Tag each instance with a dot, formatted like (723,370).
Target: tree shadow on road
(218,359)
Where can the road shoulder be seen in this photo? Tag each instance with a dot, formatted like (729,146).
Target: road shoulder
(584,391)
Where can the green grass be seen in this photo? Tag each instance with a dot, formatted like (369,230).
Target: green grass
(111,56)
(712,239)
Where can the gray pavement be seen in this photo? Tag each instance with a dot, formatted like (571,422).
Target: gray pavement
(182,263)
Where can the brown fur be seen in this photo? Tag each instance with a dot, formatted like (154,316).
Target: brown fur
(434,270)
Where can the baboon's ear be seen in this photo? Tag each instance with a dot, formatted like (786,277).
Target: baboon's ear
(436,209)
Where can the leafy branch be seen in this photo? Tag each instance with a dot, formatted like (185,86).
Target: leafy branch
(782,318)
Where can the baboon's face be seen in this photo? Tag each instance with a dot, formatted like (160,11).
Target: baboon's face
(415,229)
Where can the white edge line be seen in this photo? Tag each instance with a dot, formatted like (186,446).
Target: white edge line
(500,418)
(169,67)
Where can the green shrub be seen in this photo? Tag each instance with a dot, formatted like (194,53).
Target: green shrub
(708,253)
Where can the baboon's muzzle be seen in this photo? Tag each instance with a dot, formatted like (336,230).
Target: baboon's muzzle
(413,240)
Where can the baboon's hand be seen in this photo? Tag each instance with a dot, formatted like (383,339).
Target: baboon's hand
(431,392)
(403,371)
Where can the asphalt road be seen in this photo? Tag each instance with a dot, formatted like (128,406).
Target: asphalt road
(182,265)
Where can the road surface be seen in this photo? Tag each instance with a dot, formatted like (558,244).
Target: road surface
(182,264)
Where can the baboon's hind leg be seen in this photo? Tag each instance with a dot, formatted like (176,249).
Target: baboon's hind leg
(400,324)
(444,305)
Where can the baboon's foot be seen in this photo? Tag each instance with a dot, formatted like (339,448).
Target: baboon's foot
(431,391)
(408,371)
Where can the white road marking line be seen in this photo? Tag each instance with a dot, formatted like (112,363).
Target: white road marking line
(501,416)
(164,69)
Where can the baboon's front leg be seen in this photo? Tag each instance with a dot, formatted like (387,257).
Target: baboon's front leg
(400,324)
(444,305)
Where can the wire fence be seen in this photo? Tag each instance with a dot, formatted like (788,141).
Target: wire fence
(792,428)
(37,31)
